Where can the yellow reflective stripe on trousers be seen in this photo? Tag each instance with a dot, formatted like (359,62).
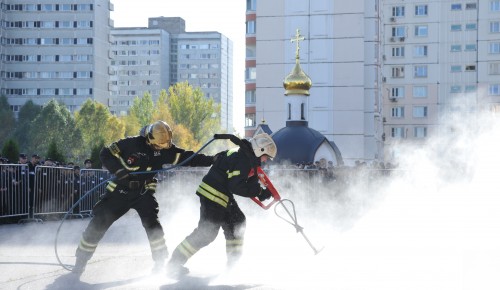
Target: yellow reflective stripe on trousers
(157,244)
(213,194)
(86,246)
(234,246)
(186,249)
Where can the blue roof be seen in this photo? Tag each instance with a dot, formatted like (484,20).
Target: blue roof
(297,143)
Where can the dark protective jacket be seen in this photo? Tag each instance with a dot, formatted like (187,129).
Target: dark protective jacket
(135,155)
(229,176)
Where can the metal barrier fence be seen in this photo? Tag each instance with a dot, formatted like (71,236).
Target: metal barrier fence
(14,189)
(56,189)
(89,179)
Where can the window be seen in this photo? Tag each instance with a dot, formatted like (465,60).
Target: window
(250,120)
(420,71)
(471,26)
(398,112)
(420,51)
(495,47)
(251,27)
(398,31)
(398,11)
(251,73)
(420,111)
(494,68)
(470,6)
(420,132)
(398,72)
(470,88)
(398,92)
(397,132)
(250,97)
(470,47)
(456,68)
(421,30)
(455,47)
(456,6)
(398,51)
(495,5)
(495,27)
(420,10)
(470,68)
(251,5)
(456,27)
(455,89)
(420,92)
(494,90)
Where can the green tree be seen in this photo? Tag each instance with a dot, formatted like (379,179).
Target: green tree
(190,108)
(143,109)
(7,120)
(28,112)
(94,155)
(97,124)
(54,153)
(56,124)
(10,150)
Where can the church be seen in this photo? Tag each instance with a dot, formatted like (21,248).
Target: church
(296,142)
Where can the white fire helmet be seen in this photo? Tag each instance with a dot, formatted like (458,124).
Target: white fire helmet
(159,135)
(263,144)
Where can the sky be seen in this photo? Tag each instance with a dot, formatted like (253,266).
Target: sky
(224,16)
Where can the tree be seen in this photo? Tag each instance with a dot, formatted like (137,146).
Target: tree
(190,108)
(54,153)
(7,119)
(56,124)
(10,150)
(28,112)
(94,154)
(143,109)
(97,124)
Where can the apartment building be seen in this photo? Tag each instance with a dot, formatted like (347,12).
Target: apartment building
(54,49)
(139,65)
(438,58)
(385,72)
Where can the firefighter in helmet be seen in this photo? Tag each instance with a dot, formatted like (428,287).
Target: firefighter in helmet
(147,152)
(228,176)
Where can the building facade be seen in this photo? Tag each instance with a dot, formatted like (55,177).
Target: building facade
(138,66)
(344,92)
(54,49)
(386,72)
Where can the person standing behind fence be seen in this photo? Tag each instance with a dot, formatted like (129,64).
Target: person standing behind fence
(88,164)
(147,152)
(34,162)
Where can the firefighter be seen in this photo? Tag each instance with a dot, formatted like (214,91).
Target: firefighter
(147,152)
(228,175)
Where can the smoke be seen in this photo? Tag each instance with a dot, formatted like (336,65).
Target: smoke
(432,223)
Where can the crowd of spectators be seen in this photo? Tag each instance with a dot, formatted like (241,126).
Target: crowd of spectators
(36,160)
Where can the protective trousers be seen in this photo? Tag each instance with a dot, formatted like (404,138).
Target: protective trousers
(114,205)
(212,217)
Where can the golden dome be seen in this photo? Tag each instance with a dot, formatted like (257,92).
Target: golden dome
(297,82)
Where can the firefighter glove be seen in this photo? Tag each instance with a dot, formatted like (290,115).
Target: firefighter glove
(264,194)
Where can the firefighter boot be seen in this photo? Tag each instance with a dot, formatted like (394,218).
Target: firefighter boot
(79,267)
(158,267)
(176,271)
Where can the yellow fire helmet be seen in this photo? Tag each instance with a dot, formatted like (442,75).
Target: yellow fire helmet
(263,144)
(159,135)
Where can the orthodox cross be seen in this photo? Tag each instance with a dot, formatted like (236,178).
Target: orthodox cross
(296,39)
